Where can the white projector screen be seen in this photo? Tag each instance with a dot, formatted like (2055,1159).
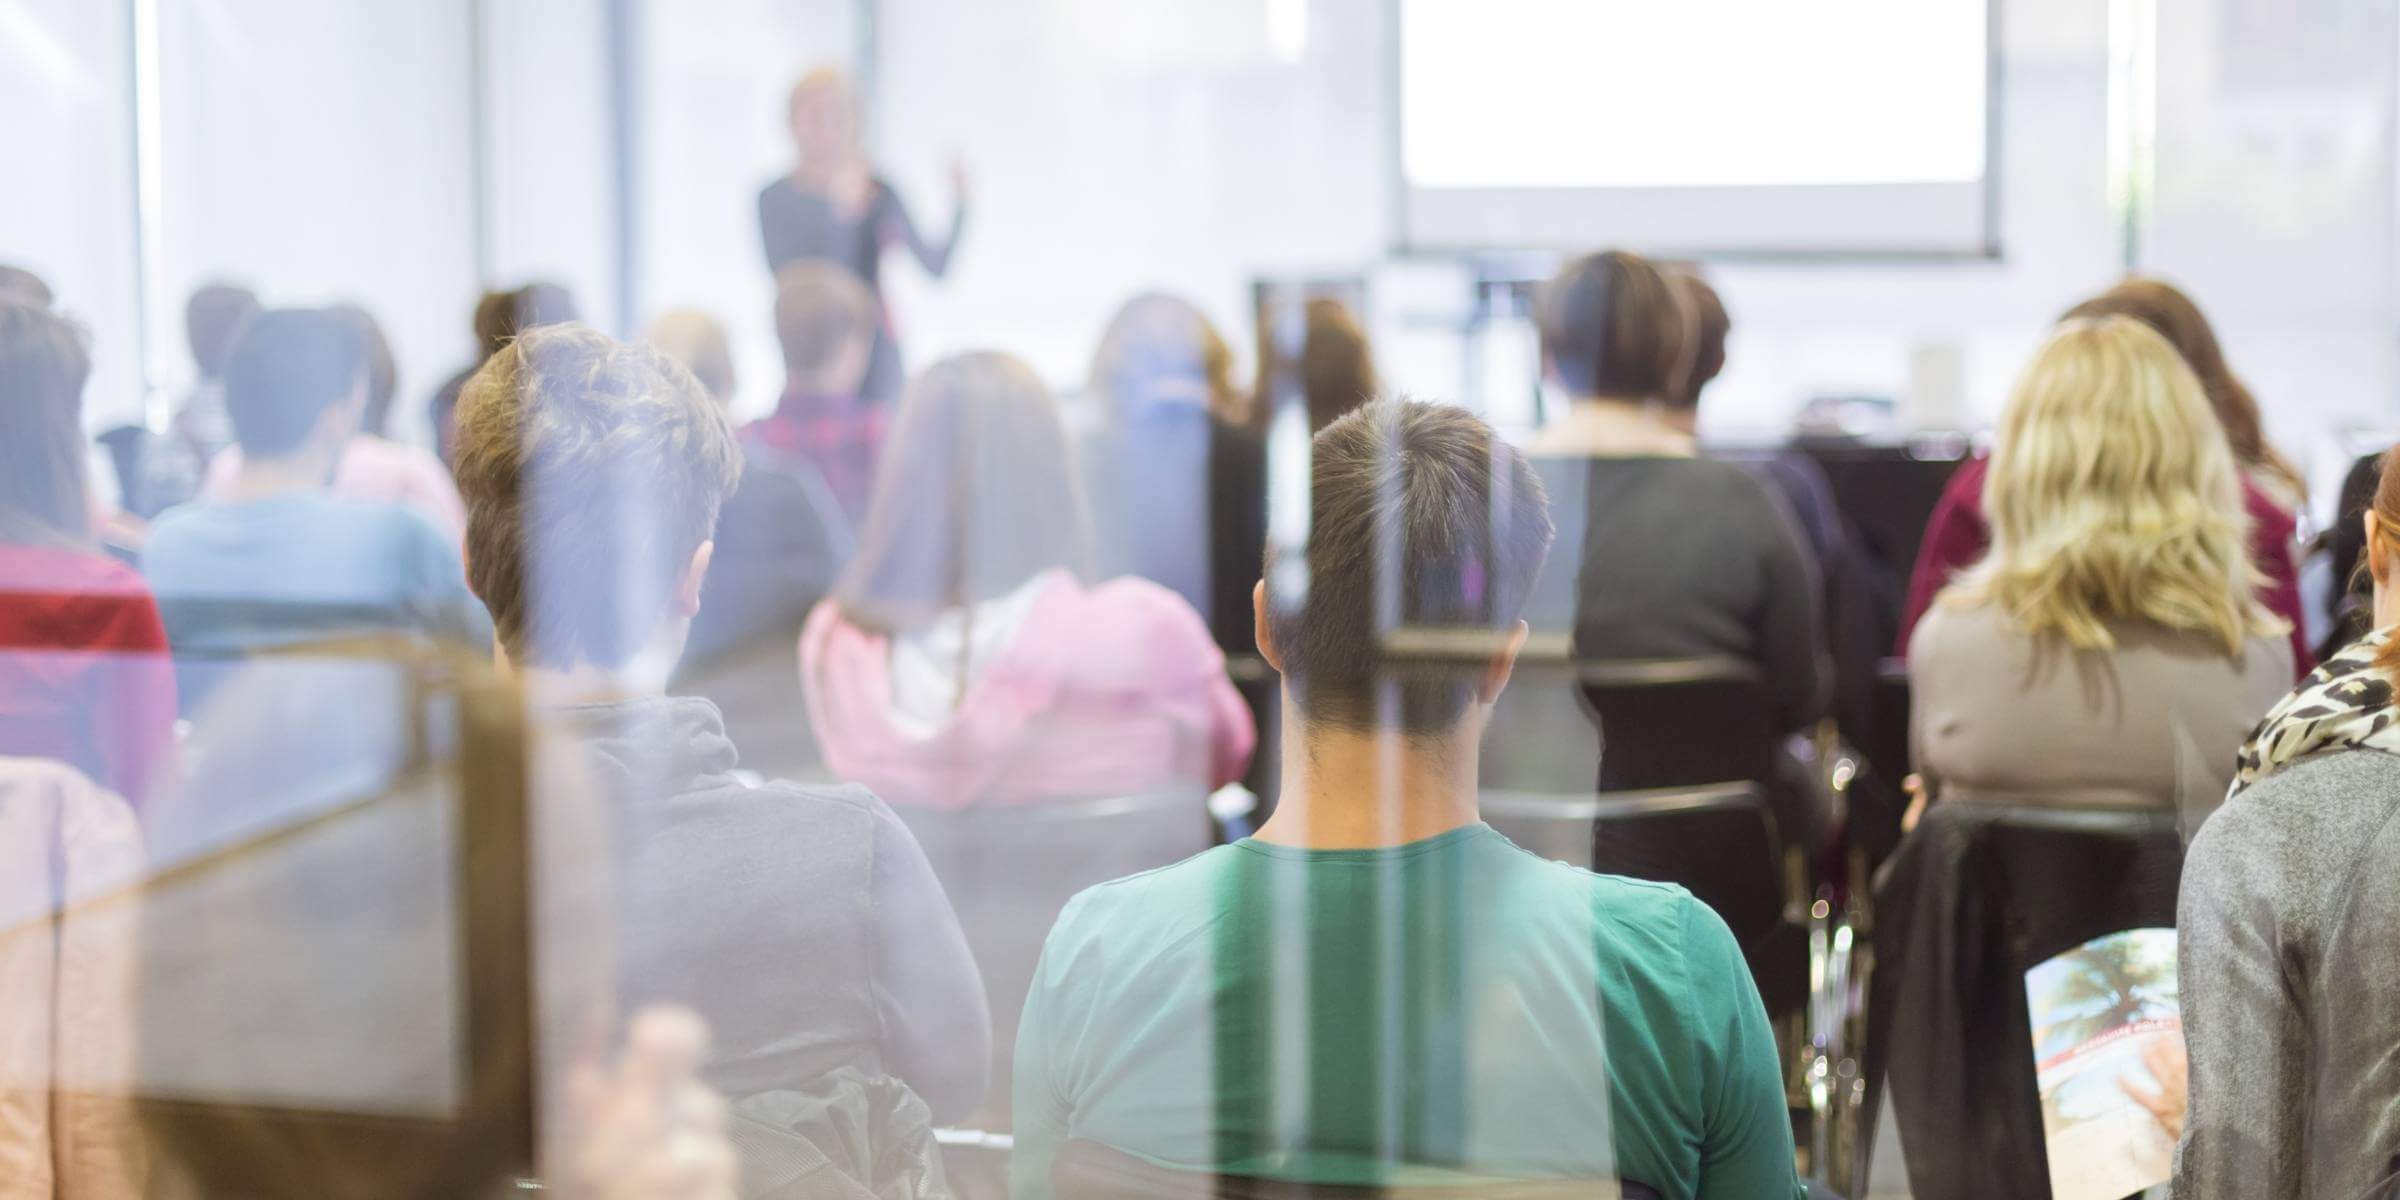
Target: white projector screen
(1696,127)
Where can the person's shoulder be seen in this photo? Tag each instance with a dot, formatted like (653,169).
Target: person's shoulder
(1181,886)
(2330,796)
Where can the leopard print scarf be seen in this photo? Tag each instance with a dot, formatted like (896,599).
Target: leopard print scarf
(2345,704)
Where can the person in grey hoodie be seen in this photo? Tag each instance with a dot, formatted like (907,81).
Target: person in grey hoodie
(2289,915)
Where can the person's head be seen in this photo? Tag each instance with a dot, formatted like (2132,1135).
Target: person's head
(23,286)
(212,322)
(383,370)
(1705,328)
(592,472)
(2114,498)
(977,493)
(502,315)
(1160,349)
(1609,328)
(295,383)
(1337,366)
(2165,309)
(825,319)
(1419,518)
(43,366)
(2382,558)
(696,340)
(823,116)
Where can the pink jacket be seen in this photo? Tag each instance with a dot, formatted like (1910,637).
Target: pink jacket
(67,851)
(1111,690)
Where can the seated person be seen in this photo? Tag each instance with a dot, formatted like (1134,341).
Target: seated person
(174,465)
(1337,365)
(280,557)
(781,539)
(84,673)
(802,924)
(1178,490)
(2110,644)
(373,466)
(499,317)
(963,660)
(1378,987)
(1672,555)
(1957,533)
(827,322)
(2287,919)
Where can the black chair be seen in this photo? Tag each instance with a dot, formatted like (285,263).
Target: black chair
(128,447)
(1976,896)
(1009,870)
(1086,1170)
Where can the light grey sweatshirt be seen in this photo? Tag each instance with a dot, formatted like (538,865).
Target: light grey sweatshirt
(2290,973)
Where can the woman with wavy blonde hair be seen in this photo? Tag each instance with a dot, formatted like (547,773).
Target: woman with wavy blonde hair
(2109,650)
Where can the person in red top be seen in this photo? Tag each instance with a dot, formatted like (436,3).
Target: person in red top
(1956,535)
(85,677)
(826,321)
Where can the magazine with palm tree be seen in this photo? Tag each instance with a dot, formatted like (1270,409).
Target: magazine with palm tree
(2096,1010)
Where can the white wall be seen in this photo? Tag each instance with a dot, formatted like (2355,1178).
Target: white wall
(551,156)
(1120,144)
(67,211)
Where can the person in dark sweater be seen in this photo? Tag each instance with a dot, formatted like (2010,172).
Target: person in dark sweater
(802,924)
(833,207)
(1679,556)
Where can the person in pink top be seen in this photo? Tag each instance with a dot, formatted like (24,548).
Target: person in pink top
(964,660)
(373,466)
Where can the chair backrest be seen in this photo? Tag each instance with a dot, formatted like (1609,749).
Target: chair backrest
(1009,869)
(1086,1170)
(1680,722)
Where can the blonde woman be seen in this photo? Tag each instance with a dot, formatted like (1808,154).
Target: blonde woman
(2109,650)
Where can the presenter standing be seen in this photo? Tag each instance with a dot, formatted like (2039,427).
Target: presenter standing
(834,207)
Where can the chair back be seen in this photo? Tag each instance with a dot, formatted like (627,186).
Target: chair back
(1680,722)
(1087,1170)
(1010,869)
(1975,897)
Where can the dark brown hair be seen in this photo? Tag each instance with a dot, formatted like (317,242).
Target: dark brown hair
(2163,307)
(592,471)
(976,494)
(1705,328)
(501,316)
(2386,507)
(1419,517)
(212,322)
(43,365)
(820,310)
(1337,366)
(17,283)
(1609,327)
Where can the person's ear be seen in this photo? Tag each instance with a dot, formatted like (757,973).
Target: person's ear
(687,589)
(1496,672)
(2379,559)
(1259,629)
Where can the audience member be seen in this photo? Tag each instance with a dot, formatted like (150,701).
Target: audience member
(2112,625)
(803,924)
(1337,365)
(833,207)
(84,673)
(781,538)
(499,317)
(372,465)
(2349,604)
(1957,534)
(175,464)
(2289,912)
(20,285)
(1462,1006)
(280,557)
(1178,489)
(963,660)
(1680,556)
(826,322)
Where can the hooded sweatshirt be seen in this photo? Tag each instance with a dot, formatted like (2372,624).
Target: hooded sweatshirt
(1105,691)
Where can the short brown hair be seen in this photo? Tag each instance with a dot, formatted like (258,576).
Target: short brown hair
(820,310)
(592,470)
(1337,366)
(212,322)
(43,365)
(1419,517)
(1609,326)
(1705,328)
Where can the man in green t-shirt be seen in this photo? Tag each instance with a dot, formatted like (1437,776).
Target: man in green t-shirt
(1379,988)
